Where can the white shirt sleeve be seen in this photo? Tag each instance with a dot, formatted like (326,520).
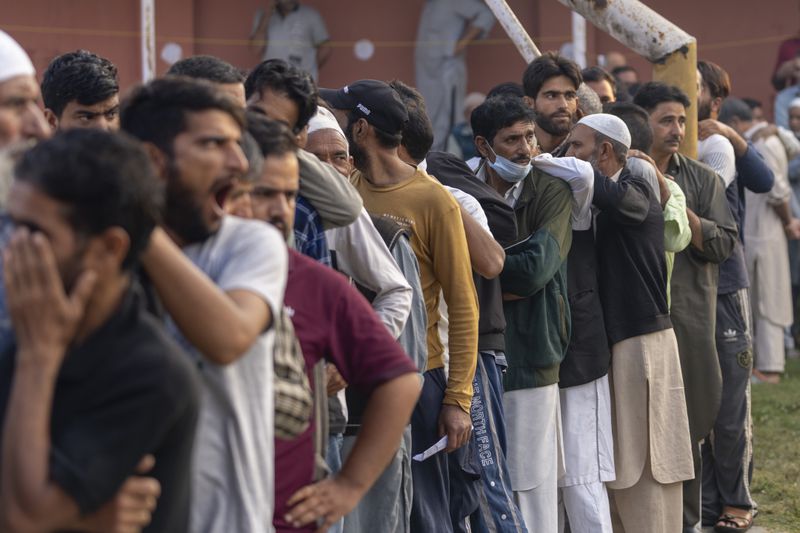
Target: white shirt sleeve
(362,255)
(717,152)
(789,141)
(579,175)
(642,169)
(471,206)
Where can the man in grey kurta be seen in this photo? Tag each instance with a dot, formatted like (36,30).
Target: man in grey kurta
(294,33)
(445,29)
(696,273)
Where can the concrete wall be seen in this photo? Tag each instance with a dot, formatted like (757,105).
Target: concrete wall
(741,36)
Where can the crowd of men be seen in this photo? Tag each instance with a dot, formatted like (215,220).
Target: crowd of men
(238,302)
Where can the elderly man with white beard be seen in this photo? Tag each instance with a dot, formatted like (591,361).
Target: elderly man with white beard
(652,445)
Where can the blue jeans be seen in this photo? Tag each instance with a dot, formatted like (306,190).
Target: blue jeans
(334,459)
(497,510)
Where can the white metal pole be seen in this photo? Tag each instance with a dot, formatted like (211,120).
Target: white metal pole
(148,39)
(513,27)
(579,39)
(635,25)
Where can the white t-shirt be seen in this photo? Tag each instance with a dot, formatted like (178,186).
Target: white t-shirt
(233,467)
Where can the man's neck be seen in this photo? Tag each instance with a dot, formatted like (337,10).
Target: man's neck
(609,169)
(496,182)
(103,303)
(547,141)
(385,168)
(662,160)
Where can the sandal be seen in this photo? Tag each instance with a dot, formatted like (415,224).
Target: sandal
(733,523)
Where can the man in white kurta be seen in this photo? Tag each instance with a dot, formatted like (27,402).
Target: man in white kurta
(767,256)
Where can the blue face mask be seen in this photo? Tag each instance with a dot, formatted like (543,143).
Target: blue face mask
(507,169)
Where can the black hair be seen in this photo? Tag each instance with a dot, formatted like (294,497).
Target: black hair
(104,180)
(588,101)
(616,71)
(385,139)
(273,138)
(208,68)
(156,112)
(497,113)
(735,108)
(597,74)
(508,88)
(638,122)
(752,103)
(417,134)
(279,76)
(715,78)
(549,65)
(78,76)
(653,93)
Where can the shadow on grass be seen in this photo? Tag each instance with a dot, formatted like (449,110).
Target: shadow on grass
(776,426)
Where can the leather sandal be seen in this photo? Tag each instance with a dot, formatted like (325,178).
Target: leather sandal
(733,523)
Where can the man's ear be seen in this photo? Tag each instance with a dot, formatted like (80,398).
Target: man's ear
(108,250)
(482,146)
(158,158)
(530,102)
(716,105)
(360,128)
(52,119)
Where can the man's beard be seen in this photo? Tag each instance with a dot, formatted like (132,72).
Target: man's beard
(703,110)
(360,156)
(182,215)
(556,130)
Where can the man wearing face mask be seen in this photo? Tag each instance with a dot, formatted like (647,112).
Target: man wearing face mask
(534,283)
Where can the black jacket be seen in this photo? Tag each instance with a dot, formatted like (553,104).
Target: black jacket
(631,260)
(453,172)
(588,356)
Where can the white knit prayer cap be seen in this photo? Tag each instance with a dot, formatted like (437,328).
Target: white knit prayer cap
(609,125)
(324,120)
(13,59)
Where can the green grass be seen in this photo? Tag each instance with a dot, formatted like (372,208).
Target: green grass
(776,480)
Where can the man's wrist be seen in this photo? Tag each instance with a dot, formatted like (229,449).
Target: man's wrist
(41,362)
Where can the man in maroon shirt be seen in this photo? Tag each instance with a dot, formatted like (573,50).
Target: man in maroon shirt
(333,322)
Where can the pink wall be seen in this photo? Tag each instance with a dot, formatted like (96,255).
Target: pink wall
(742,36)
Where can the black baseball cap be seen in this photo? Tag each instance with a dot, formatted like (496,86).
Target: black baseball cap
(374,100)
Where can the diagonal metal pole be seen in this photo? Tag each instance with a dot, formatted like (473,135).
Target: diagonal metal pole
(513,27)
(672,51)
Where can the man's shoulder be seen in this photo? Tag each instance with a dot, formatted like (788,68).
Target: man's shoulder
(696,168)
(544,181)
(303,269)
(139,352)
(245,236)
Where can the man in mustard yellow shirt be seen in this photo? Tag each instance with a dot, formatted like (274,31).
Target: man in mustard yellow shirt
(374,118)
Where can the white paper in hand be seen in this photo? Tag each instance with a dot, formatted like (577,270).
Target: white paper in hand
(433,450)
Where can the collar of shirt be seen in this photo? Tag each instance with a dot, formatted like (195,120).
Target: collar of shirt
(674,165)
(615,176)
(511,195)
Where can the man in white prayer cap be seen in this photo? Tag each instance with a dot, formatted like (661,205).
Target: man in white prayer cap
(20,115)
(652,448)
